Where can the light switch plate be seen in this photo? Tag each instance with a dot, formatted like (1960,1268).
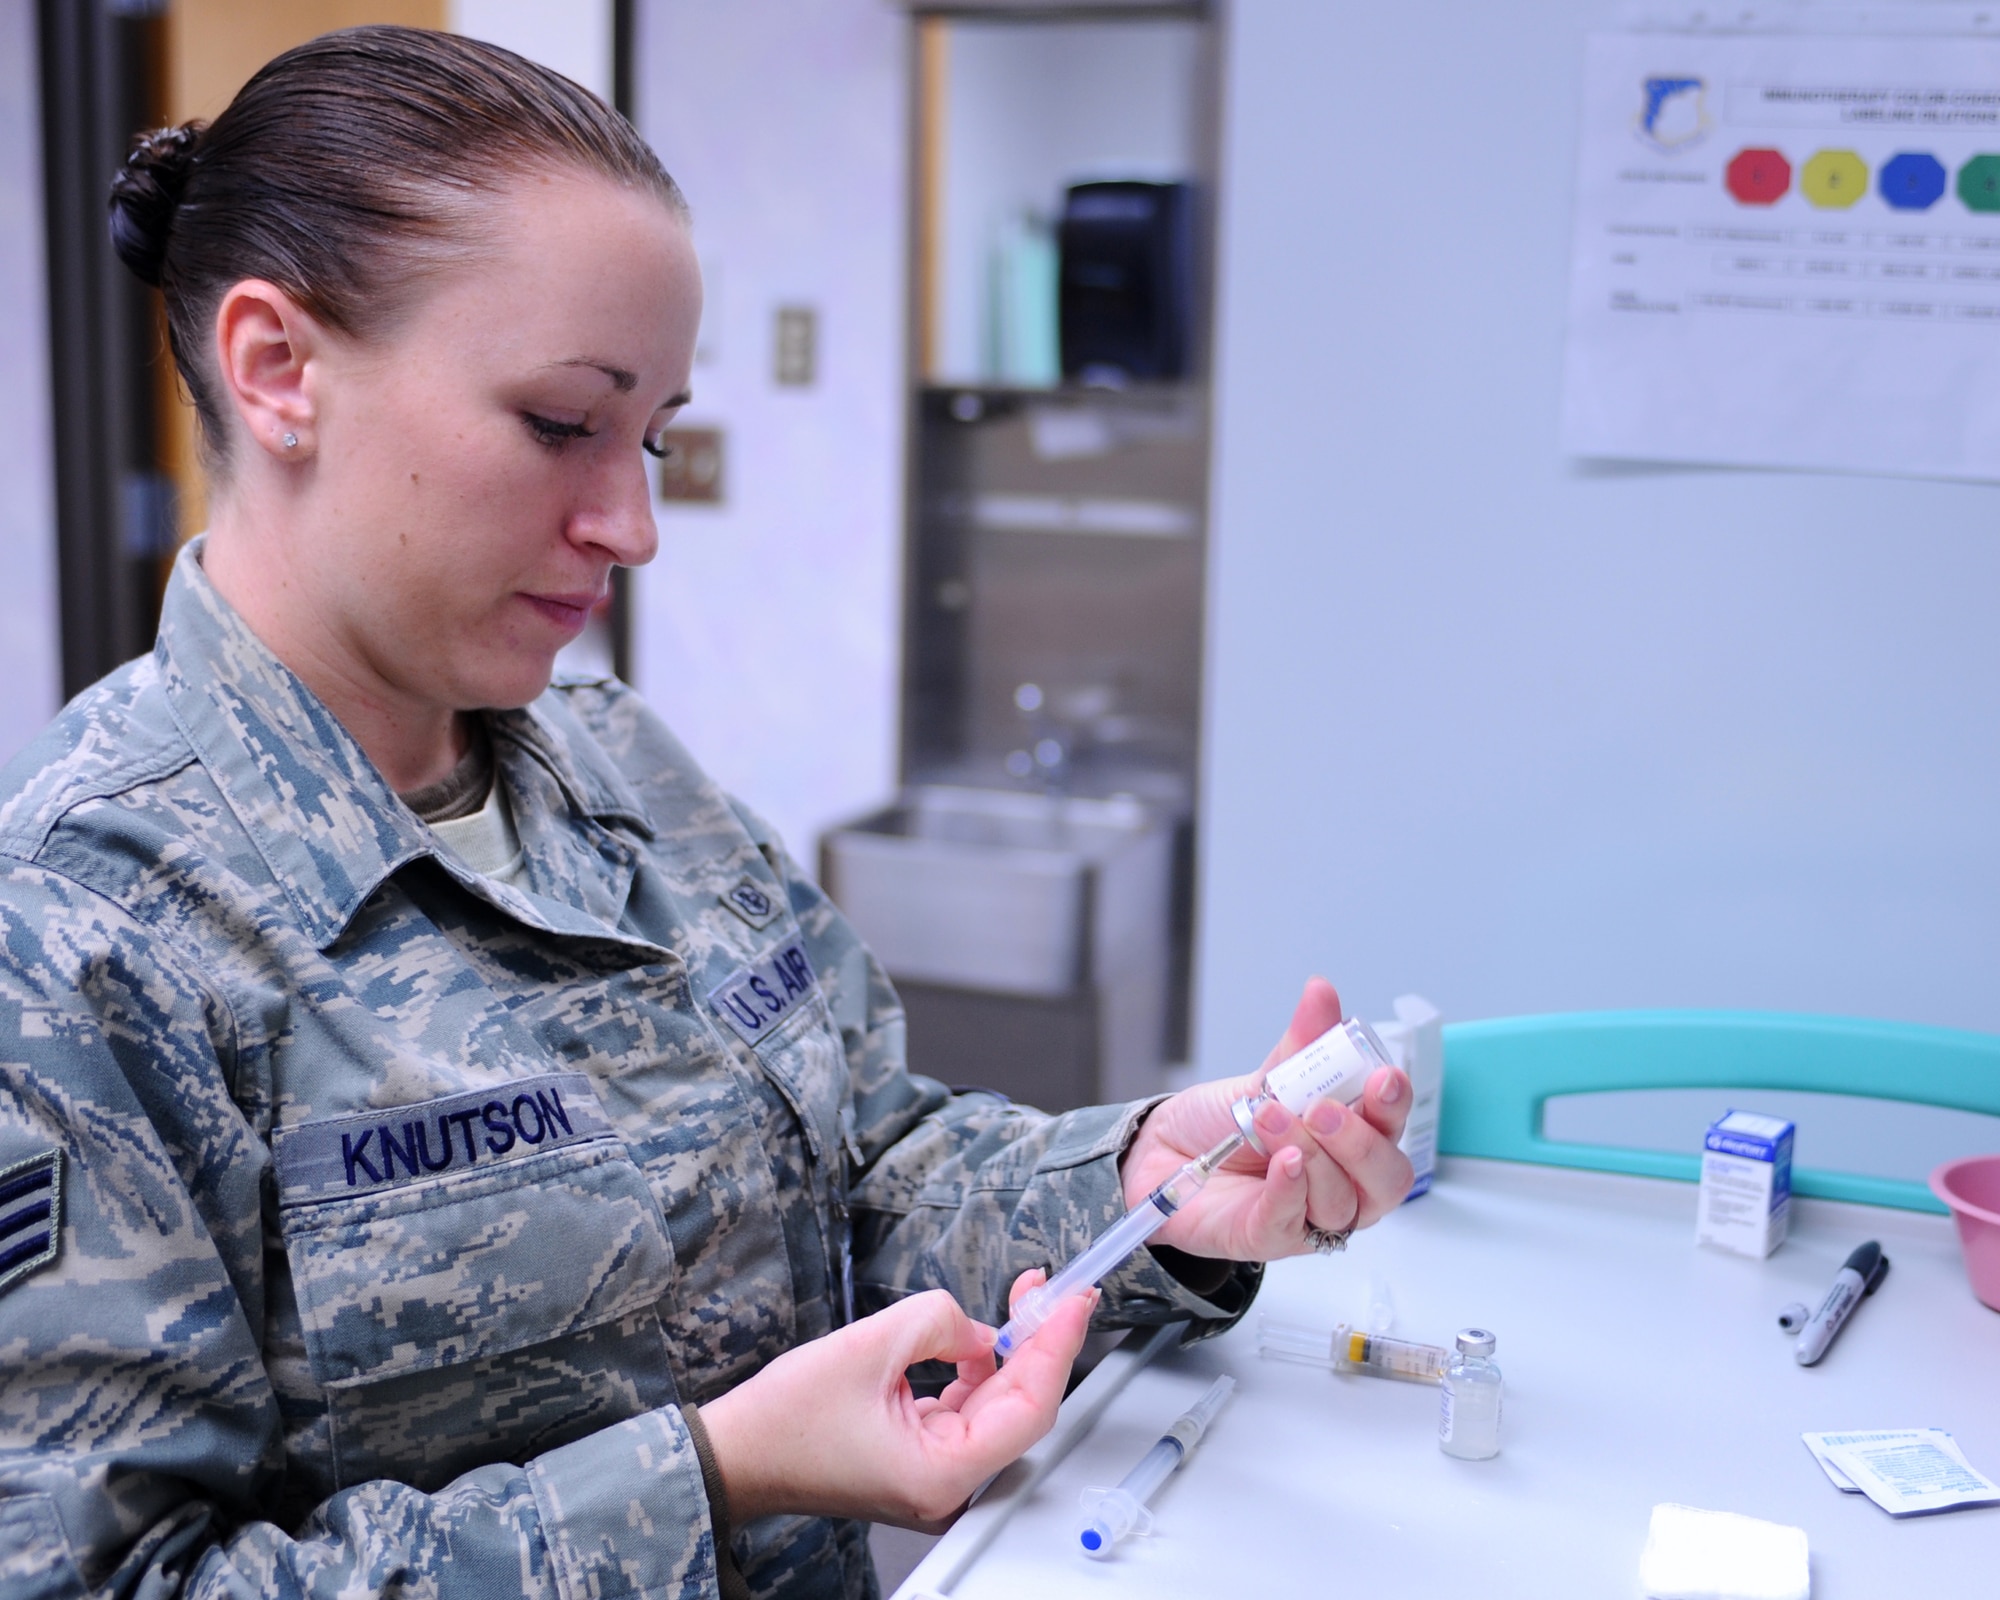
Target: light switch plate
(795,347)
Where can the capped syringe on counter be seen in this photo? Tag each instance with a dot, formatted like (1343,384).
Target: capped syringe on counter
(1350,1349)
(1114,1514)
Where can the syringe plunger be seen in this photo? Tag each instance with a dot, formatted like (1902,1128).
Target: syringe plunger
(1115,1514)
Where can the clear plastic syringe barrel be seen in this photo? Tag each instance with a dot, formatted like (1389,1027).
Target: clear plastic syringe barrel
(1383,1357)
(1101,1256)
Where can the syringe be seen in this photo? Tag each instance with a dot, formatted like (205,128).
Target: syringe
(1336,1065)
(1114,1513)
(1348,1349)
(1104,1253)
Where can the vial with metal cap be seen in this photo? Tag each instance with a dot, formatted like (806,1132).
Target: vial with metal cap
(1469,1399)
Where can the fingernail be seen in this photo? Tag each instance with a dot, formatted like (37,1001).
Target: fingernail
(1392,1089)
(1325,1118)
(1272,1118)
(1295,1163)
(986,1335)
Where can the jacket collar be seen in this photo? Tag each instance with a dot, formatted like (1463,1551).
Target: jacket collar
(325,819)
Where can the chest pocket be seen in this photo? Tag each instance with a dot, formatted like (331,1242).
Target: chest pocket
(485,1293)
(774,1004)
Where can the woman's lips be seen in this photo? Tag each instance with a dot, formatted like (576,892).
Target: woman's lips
(568,612)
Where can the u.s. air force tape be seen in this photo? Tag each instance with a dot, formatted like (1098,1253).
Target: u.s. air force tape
(373,1150)
(755,999)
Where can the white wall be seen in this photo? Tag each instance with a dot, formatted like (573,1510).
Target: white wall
(1522,734)
(572,36)
(30,648)
(766,632)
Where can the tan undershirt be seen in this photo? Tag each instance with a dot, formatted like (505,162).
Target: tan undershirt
(469,813)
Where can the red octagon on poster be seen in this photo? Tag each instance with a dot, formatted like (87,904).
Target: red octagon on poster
(1758,177)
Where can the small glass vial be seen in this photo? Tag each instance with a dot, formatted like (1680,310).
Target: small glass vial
(1469,1400)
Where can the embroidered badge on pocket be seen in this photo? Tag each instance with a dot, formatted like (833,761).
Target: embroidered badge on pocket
(751,901)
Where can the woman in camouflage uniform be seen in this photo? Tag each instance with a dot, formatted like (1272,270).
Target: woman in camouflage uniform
(446,1145)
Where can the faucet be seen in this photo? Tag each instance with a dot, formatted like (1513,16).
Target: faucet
(1049,742)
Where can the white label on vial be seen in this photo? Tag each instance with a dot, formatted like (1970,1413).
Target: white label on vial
(1330,1068)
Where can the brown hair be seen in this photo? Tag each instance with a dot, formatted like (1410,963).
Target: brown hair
(344,171)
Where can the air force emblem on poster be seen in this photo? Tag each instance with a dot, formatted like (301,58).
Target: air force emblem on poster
(1674,112)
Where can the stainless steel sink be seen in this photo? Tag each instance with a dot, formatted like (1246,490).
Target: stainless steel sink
(1017,894)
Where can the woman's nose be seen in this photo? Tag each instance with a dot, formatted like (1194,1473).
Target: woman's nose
(621,522)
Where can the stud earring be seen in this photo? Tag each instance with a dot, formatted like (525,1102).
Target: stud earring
(291,441)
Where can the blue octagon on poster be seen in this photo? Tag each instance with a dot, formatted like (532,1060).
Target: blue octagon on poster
(1912,181)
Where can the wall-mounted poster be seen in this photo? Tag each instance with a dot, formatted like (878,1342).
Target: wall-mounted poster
(1787,252)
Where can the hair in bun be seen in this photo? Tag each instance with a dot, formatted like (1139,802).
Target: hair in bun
(345,172)
(145,195)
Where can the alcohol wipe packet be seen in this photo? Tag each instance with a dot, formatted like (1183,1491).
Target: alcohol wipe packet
(1906,1471)
(1818,1444)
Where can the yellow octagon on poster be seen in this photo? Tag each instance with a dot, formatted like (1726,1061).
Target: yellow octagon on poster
(1834,179)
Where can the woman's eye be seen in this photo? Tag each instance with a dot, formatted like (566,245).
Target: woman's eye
(658,448)
(555,434)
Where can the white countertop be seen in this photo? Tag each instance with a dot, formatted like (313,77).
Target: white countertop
(1639,1369)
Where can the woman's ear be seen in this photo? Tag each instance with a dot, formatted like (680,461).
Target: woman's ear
(265,347)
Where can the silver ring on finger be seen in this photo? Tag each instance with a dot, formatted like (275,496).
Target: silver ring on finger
(1326,1242)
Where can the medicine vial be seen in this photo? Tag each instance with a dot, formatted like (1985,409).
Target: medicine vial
(1469,1400)
(1335,1066)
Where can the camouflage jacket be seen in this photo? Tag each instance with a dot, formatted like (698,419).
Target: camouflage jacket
(364,1221)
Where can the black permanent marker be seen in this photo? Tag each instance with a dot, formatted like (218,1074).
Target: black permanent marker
(1857,1279)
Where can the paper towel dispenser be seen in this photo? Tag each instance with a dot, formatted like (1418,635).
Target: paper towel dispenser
(1126,292)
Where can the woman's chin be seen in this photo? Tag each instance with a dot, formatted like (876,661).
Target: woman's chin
(520,683)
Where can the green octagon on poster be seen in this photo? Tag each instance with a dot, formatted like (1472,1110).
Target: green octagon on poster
(1979,183)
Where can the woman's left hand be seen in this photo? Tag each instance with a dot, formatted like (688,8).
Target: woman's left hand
(831,1428)
(1335,1169)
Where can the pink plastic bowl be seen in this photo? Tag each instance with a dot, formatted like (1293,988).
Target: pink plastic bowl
(1971,1188)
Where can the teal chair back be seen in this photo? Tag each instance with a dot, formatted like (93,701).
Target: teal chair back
(1500,1074)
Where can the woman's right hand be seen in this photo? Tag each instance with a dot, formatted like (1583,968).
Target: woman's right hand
(833,1429)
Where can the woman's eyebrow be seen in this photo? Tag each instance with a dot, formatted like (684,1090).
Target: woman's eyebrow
(625,382)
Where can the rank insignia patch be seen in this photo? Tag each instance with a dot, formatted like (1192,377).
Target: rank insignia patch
(751,901)
(30,1216)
